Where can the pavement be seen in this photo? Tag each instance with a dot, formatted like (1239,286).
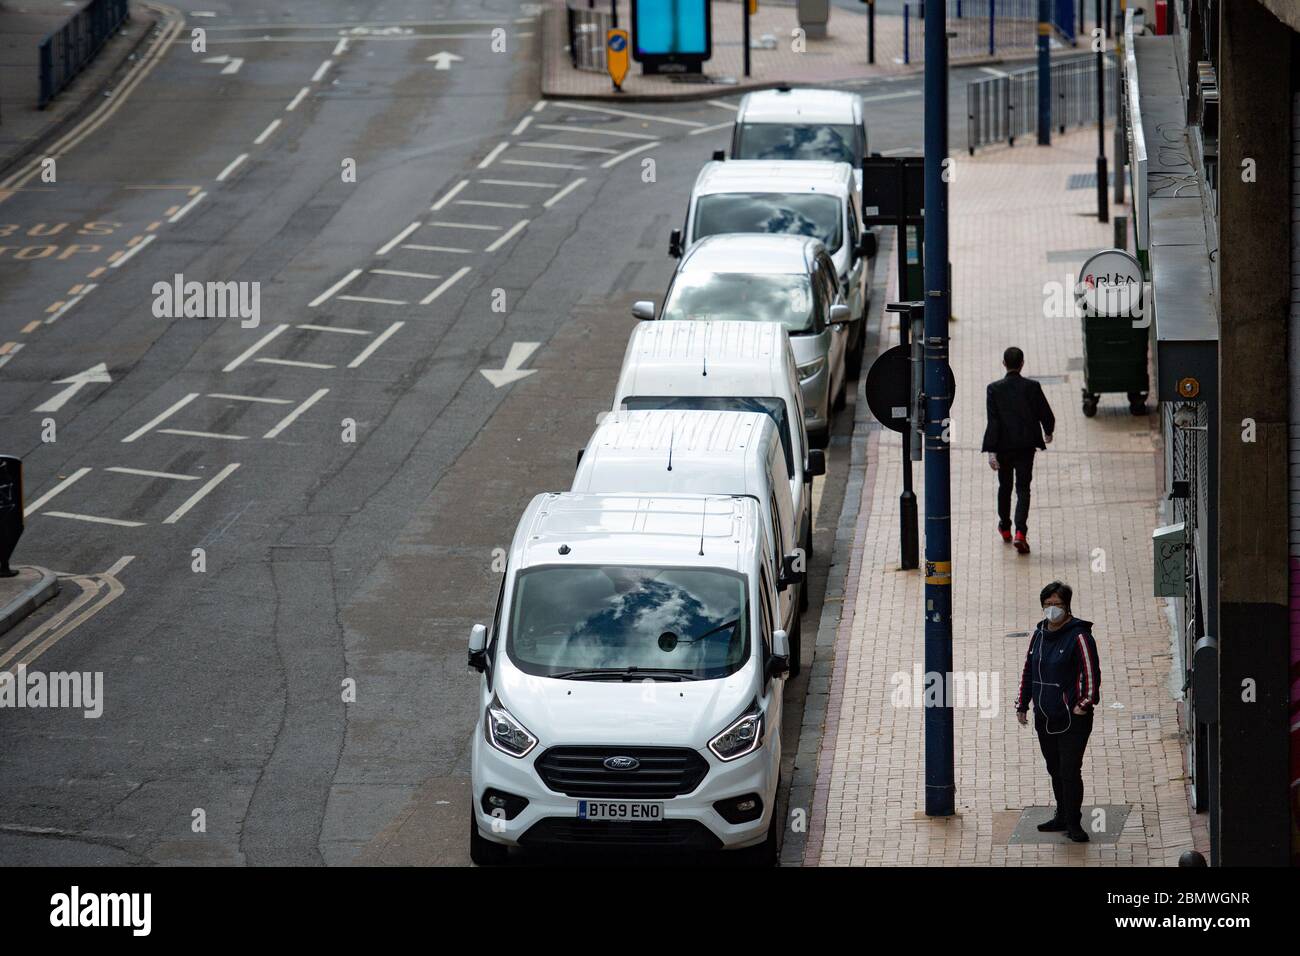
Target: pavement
(1015,226)
(24,593)
(839,57)
(23,127)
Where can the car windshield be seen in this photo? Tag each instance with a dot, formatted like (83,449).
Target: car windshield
(773,408)
(836,144)
(800,214)
(592,623)
(714,296)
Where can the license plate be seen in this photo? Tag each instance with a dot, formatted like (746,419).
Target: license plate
(619,811)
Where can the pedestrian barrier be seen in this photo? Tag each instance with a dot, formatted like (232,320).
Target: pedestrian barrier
(976,28)
(587,29)
(1002,108)
(66,51)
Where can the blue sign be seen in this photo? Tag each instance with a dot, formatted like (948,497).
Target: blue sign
(671,35)
(617,43)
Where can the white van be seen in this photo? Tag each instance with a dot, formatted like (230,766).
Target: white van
(632,681)
(801,124)
(815,199)
(726,366)
(712,453)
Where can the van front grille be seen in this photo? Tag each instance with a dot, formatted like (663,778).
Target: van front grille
(660,772)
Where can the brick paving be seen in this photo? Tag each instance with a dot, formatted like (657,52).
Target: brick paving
(1014,227)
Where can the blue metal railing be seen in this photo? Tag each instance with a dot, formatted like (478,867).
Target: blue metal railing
(1002,108)
(66,51)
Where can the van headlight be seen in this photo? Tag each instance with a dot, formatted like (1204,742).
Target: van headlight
(505,733)
(812,368)
(743,736)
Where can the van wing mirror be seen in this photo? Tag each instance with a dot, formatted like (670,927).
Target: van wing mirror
(792,569)
(719,155)
(867,245)
(578,464)
(675,243)
(643,309)
(839,313)
(816,463)
(779,664)
(478,647)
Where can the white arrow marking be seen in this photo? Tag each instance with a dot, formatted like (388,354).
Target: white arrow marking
(96,373)
(519,353)
(443,60)
(233,63)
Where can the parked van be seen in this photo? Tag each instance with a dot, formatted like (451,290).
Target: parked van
(801,124)
(771,278)
(821,200)
(714,453)
(632,680)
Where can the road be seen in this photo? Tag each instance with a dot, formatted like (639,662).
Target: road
(277,536)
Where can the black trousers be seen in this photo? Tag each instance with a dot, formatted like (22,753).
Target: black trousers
(1017,466)
(1063,751)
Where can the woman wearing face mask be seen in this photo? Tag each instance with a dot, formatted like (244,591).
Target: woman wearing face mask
(1062,677)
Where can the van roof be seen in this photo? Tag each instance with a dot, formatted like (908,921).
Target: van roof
(805,105)
(752,254)
(772,176)
(668,530)
(652,435)
(703,354)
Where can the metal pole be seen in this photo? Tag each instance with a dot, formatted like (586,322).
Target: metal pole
(1044,74)
(1103,181)
(871,31)
(745,6)
(908,548)
(613,13)
(1121,140)
(907,17)
(940,788)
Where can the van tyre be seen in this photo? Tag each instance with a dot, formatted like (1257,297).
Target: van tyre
(796,648)
(853,361)
(764,854)
(819,437)
(482,851)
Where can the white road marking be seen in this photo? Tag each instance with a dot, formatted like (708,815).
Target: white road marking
(392,244)
(321,71)
(443,60)
(723,105)
(199,495)
(532,162)
(992,72)
(408,275)
(330,328)
(507,236)
(298,98)
(292,363)
(491,205)
(180,213)
(511,372)
(710,129)
(53,630)
(152,474)
(250,398)
(118,565)
(133,250)
(35,506)
(629,153)
(154,422)
(263,136)
(293,415)
(518,182)
(523,125)
(253,349)
(369,350)
(446,284)
(10,352)
(569,147)
(65,307)
(539,106)
(449,195)
(324,296)
(96,374)
(465,225)
(617,134)
(94,519)
(422,248)
(903,94)
(902,151)
(341,47)
(628,115)
(188,433)
(497,150)
(232,63)
(371,300)
(564,192)
(235,164)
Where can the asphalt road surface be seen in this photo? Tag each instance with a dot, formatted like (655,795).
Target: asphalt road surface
(276,537)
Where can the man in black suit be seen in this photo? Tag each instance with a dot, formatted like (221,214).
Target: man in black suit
(1019,422)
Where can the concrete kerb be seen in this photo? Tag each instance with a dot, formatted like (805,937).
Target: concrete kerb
(36,585)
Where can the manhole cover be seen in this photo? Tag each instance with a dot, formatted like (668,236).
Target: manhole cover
(1104,823)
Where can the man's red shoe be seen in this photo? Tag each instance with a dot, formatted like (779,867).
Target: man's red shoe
(1022,546)
(1006,535)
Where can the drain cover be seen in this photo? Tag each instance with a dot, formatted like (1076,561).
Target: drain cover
(1104,823)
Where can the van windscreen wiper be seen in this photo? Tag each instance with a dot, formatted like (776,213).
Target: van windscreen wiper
(628,674)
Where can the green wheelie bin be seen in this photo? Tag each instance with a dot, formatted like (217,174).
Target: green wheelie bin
(1114,360)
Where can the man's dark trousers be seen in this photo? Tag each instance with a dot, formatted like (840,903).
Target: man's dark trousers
(1063,751)
(1017,465)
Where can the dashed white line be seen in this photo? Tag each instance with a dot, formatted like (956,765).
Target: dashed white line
(523,125)
(199,495)
(253,349)
(298,98)
(392,244)
(371,300)
(507,235)
(530,162)
(95,519)
(891,96)
(629,115)
(10,352)
(263,136)
(341,47)
(187,433)
(564,192)
(446,284)
(321,71)
(293,363)
(252,398)
(369,350)
(491,205)
(235,164)
(293,415)
(618,134)
(449,195)
(61,486)
(465,225)
(180,213)
(570,148)
(518,182)
(161,418)
(497,150)
(324,296)
(145,473)
(629,153)
(723,105)
(423,248)
(539,106)
(67,305)
(408,275)
(117,264)
(329,328)
(710,129)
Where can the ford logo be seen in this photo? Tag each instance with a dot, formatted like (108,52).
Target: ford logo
(621,763)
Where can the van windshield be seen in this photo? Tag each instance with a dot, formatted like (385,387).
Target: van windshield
(742,297)
(773,408)
(629,623)
(835,143)
(801,214)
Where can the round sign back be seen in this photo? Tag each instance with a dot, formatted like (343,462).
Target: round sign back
(1110,284)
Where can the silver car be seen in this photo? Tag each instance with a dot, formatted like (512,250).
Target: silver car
(771,278)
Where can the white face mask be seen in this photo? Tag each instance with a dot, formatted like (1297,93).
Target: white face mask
(1055,614)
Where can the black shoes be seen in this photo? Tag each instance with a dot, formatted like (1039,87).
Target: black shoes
(1052,826)
(1077,834)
